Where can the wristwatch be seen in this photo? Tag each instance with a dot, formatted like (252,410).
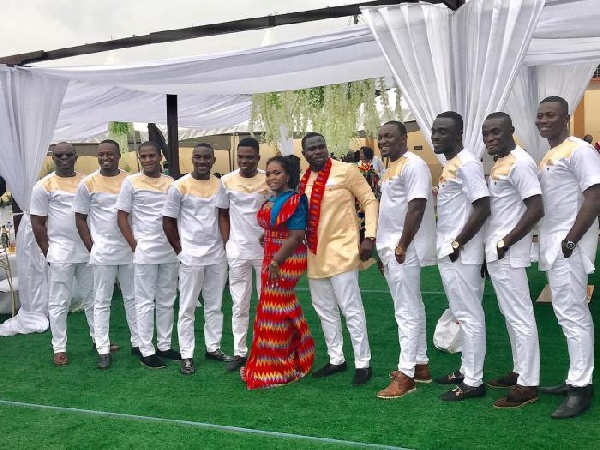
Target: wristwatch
(501,244)
(274,264)
(455,244)
(400,251)
(570,245)
(370,238)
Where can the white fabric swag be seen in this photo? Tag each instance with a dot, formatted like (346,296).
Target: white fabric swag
(464,61)
(29,109)
(533,84)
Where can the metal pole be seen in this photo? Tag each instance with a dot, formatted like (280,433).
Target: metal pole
(173,136)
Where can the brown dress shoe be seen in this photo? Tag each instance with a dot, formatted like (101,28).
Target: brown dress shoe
(518,396)
(399,386)
(508,380)
(60,359)
(422,373)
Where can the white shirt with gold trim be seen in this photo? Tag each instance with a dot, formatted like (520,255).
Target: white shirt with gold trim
(513,179)
(565,172)
(97,198)
(243,197)
(52,197)
(194,204)
(406,179)
(461,183)
(143,198)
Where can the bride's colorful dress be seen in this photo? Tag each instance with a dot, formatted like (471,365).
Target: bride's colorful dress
(282,346)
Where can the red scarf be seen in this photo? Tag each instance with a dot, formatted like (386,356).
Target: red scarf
(314,209)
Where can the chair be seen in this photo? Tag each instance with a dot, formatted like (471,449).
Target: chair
(9,285)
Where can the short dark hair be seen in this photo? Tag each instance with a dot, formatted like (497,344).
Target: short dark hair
(368,152)
(204,144)
(68,144)
(309,135)
(500,115)
(249,142)
(114,143)
(556,99)
(150,144)
(291,165)
(401,127)
(456,117)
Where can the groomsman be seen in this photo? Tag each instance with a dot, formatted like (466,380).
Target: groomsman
(191,223)
(54,229)
(569,176)
(110,255)
(405,243)
(243,193)
(335,252)
(463,207)
(141,200)
(516,206)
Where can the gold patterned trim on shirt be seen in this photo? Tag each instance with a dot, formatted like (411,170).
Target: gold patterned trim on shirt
(395,168)
(564,150)
(235,182)
(143,182)
(450,169)
(98,183)
(198,188)
(54,183)
(503,166)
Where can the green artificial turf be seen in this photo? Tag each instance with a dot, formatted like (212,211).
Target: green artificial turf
(326,408)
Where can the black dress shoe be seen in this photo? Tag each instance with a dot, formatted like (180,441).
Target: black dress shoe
(152,362)
(577,402)
(452,378)
(330,369)
(136,351)
(462,392)
(236,363)
(103,361)
(187,367)
(361,376)
(559,389)
(169,354)
(218,355)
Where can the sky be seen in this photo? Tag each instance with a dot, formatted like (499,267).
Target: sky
(30,25)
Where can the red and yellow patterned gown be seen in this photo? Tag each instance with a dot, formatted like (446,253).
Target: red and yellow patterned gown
(282,346)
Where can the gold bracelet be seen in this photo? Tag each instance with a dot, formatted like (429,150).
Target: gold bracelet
(400,251)
(274,264)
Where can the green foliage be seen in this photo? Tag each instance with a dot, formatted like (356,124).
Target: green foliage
(119,132)
(334,110)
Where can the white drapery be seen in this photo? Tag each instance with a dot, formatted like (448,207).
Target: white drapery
(533,84)
(465,61)
(29,107)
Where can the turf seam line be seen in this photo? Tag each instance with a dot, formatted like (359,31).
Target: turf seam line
(227,428)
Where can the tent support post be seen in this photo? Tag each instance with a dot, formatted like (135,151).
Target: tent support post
(173,136)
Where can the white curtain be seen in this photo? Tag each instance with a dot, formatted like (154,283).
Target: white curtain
(416,42)
(29,107)
(465,61)
(536,83)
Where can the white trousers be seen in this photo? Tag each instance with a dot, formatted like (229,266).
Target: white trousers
(104,286)
(60,295)
(341,293)
(568,283)
(240,287)
(464,288)
(155,288)
(210,280)
(512,289)
(404,281)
